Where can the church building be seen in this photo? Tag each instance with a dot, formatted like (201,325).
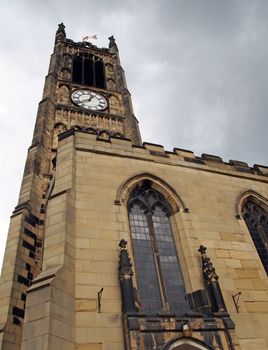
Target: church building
(118,244)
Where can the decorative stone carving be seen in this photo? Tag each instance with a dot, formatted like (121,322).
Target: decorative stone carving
(58,129)
(67,61)
(112,42)
(61,28)
(125,278)
(208,268)
(113,125)
(66,67)
(65,74)
(211,279)
(60,34)
(125,266)
(114,104)
(64,94)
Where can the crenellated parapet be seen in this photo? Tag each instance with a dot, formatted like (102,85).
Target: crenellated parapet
(179,157)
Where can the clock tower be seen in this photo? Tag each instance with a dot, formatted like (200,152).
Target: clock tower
(85,90)
(90,90)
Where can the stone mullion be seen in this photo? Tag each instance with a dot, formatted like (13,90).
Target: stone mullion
(157,262)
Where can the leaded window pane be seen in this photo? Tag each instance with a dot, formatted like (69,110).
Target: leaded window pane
(169,265)
(256,219)
(144,261)
(159,276)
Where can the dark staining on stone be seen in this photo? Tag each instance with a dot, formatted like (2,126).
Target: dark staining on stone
(218,340)
(148,341)
(133,324)
(208,338)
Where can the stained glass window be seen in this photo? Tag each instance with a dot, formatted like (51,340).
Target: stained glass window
(159,276)
(256,219)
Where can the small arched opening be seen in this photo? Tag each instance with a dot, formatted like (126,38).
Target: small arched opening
(186,344)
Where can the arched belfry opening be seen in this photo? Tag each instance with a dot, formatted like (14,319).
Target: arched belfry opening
(88,70)
(158,272)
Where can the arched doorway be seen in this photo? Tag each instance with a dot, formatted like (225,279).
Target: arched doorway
(186,344)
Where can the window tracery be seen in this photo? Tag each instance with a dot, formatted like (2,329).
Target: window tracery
(256,219)
(159,277)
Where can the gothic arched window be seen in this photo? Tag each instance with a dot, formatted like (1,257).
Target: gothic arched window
(256,219)
(159,277)
(88,70)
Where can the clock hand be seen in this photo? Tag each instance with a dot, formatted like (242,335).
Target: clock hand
(87,99)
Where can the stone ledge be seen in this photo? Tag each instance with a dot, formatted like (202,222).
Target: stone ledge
(44,279)
(122,147)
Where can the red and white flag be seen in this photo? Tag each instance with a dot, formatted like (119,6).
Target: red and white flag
(88,37)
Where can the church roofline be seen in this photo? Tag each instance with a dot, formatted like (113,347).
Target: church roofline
(179,157)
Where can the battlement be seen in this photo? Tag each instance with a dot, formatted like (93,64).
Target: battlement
(104,143)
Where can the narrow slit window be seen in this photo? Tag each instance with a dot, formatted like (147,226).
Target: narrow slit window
(77,69)
(99,73)
(88,72)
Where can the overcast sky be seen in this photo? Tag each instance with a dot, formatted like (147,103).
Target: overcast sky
(197,72)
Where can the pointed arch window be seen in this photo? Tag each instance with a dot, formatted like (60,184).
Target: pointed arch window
(88,70)
(159,277)
(256,219)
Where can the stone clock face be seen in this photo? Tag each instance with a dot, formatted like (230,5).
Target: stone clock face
(90,100)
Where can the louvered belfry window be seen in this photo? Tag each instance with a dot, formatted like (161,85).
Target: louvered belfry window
(256,219)
(159,277)
(88,70)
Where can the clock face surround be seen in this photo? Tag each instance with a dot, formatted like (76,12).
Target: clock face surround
(89,99)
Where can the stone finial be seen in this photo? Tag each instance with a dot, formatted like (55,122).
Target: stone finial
(125,278)
(202,249)
(112,42)
(212,283)
(61,29)
(208,268)
(123,244)
(125,266)
(60,34)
